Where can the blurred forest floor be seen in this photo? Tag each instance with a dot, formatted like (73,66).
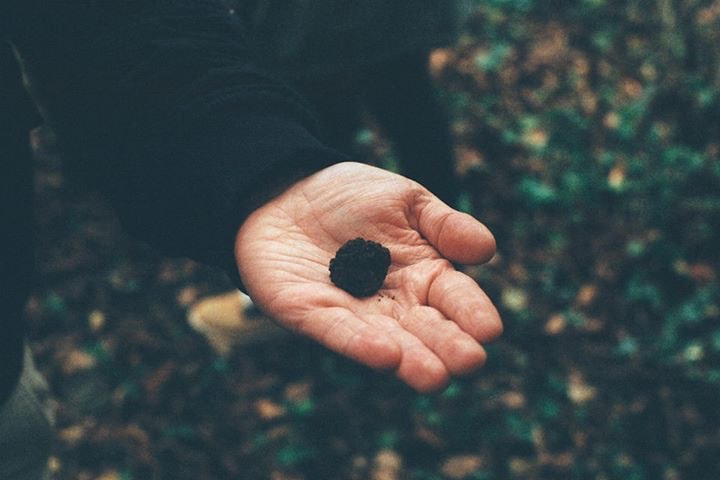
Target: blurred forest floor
(588,137)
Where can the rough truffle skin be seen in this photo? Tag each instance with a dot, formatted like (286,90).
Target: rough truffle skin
(360,266)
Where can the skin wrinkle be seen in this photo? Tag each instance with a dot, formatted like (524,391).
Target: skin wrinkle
(320,303)
(397,311)
(414,208)
(396,210)
(278,275)
(427,279)
(398,220)
(417,314)
(430,364)
(331,326)
(381,230)
(345,347)
(277,230)
(292,274)
(408,255)
(310,254)
(284,209)
(290,211)
(469,310)
(315,218)
(442,223)
(308,227)
(282,234)
(447,337)
(415,343)
(437,292)
(443,290)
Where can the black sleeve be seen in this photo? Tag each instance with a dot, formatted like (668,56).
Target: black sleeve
(163,104)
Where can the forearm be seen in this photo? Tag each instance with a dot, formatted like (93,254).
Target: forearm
(164,106)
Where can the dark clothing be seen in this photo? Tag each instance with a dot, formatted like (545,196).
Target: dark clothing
(400,96)
(17,116)
(171,108)
(305,39)
(164,107)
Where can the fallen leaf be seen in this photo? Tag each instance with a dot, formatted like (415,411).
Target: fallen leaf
(77,361)
(96,321)
(616,177)
(513,400)
(586,295)
(461,466)
(72,434)
(514,299)
(555,325)
(268,410)
(387,465)
(579,391)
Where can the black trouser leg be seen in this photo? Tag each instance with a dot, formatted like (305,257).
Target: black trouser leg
(400,94)
(17,117)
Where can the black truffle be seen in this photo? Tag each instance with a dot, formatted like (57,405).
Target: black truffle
(360,266)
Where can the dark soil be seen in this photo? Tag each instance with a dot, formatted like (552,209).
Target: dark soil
(360,266)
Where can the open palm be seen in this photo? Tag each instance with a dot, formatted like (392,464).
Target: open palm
(426,322)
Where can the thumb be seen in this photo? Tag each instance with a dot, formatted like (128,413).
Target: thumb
(457,236)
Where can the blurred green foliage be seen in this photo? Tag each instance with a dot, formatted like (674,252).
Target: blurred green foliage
(599,127)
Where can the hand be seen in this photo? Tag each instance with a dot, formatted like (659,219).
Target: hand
(427,321)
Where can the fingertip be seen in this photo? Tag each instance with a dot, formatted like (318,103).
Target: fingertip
(466,240)
(489,325)
(487,247)
(432,384)
(465,356)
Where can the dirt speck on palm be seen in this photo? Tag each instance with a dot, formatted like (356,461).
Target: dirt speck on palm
(360,266)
